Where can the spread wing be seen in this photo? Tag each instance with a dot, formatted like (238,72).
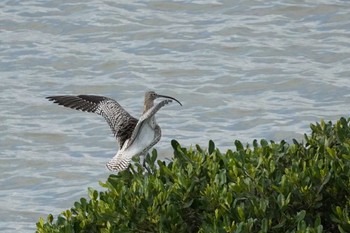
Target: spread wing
(120,121)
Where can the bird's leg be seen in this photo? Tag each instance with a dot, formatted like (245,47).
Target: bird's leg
(144,155)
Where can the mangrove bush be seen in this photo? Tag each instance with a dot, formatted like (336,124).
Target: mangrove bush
(260,187)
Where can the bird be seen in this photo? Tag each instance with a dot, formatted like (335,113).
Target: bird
(134,137)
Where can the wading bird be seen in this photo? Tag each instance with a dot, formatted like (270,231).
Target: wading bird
(135,137)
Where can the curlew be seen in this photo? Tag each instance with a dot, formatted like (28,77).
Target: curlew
(134,137)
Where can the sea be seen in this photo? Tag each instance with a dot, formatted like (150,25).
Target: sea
(243,70)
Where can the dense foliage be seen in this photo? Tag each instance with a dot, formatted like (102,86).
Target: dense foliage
(263,187)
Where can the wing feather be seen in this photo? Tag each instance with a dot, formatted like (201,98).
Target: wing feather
(148,114)
(120,121)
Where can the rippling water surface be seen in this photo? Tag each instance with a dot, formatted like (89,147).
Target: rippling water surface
(242,69)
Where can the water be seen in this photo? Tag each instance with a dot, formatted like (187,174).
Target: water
(242,69)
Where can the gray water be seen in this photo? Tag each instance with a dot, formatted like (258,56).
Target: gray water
(242,69)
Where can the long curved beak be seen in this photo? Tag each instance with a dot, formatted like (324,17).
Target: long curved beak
(168,97)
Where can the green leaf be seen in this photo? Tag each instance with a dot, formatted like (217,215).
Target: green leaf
(174,144)
(187,204)
(346,156)
(295,142)
(50,218)
(331,152)
(265,226)
(211,147)
(264,143)
(239,145)
(240,212)
(300,216)
(154,156)
(93,194)
(255,143)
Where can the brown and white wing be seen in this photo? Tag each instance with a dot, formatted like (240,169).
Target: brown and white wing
(120,121)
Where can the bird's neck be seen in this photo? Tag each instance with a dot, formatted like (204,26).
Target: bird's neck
(147,105)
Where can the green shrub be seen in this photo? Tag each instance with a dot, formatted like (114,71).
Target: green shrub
(263,187)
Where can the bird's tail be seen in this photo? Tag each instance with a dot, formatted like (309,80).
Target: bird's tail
(119,162)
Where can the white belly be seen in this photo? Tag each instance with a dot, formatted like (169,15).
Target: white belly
(142,141)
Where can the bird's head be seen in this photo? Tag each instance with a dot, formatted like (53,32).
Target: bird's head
(150,96)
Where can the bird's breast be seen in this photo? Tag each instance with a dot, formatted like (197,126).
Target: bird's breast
(152,122)
(144,138)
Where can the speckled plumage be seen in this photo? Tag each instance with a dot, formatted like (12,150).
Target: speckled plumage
(135,137)
(120,121)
